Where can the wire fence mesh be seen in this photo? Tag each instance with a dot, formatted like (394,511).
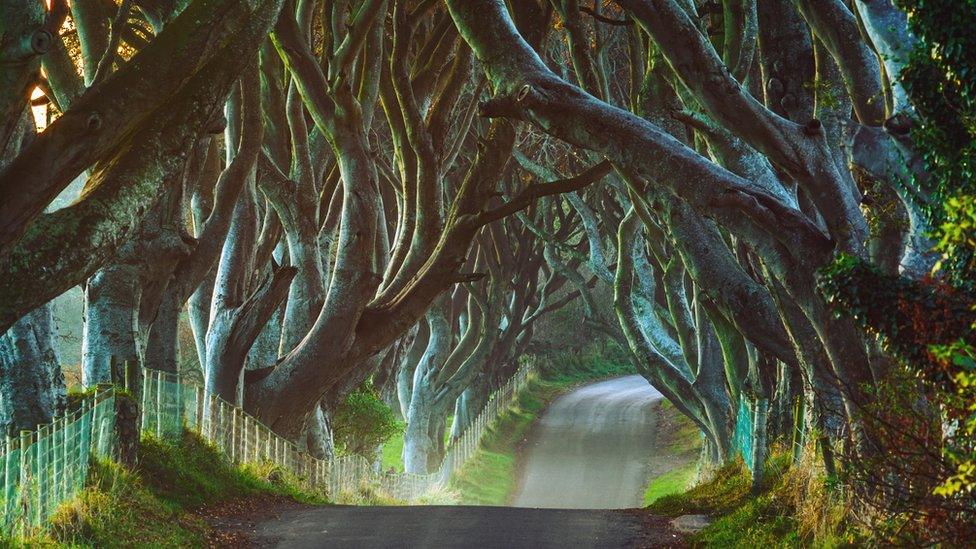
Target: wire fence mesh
(170,404)
(45,467)
(742,439)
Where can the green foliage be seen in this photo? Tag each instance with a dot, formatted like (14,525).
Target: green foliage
(392,457)
(909,316)
(903,480)
(940,77)
(929,325)
(963,457)
(957,240)
(363,422)
(594,362)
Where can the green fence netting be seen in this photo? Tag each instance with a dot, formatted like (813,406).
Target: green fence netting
(45,467)
(742,440)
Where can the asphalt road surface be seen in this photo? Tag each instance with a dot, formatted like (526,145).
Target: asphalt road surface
(460,527)
(590,450)
(586,460)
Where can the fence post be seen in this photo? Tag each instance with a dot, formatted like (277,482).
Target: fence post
(245,428)
(25,442)
(197,414)
(84,448)
(257,442)
(159,404)
(179,403)
(57,450)
(8,480)
(41,466)
(66,466)
(145,401)
(214,413)
(233,437)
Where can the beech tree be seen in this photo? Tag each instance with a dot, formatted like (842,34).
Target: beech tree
(736,150)
(305,219)
(393,192)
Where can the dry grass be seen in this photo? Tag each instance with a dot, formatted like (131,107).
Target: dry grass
(794,508)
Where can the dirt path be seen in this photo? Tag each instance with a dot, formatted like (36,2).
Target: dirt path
(591,448)
(347,527)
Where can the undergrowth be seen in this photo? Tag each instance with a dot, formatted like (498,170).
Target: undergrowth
(154,505)
(793,508)
(490,476)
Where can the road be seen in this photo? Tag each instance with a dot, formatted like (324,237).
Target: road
(590,450)
(587,459)
(350,527)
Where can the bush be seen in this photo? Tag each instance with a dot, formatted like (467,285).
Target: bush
(362,423)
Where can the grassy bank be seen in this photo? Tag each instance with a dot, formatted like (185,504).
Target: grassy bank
(793,508)
(679,444)
(161,502)
(490,477)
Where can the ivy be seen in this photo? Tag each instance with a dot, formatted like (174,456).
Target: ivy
(913,319)
(940,78)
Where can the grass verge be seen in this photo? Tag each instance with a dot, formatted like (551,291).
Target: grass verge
(680,446)
(792,509)
(156,505)
(490,476)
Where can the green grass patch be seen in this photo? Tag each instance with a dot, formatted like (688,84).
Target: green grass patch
(152,505)
(393,447)
(725,492)
(673,482)
(393,451)
(489,478)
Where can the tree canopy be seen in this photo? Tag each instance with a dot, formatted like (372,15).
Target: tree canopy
(315,206)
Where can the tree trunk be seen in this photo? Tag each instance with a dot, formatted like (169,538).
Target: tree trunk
(32,390)
(319,435)
(417,443)
(109,332)
(162,348)
(759,442)
(423,411)
(463,414)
